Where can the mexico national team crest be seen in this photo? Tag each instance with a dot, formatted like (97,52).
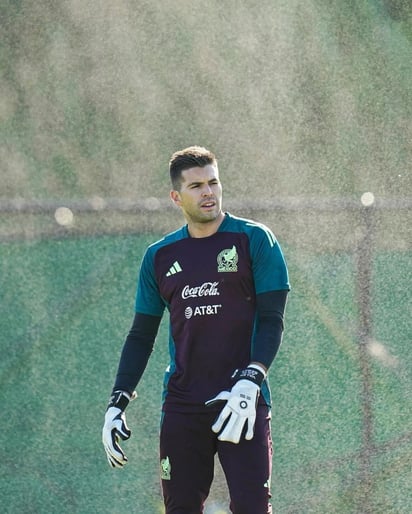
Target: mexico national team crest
(165,469)
(227,260)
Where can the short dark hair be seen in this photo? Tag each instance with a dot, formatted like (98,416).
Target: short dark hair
(191,157)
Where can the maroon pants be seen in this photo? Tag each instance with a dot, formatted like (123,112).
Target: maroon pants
(187,450)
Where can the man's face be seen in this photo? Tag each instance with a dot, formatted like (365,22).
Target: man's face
(200,195)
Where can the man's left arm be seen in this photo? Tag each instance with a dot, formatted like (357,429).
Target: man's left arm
(271,280)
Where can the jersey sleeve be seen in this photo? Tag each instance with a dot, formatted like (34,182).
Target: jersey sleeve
(270,271)
(148,298)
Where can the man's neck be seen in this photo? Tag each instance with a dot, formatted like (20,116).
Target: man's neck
(198,230)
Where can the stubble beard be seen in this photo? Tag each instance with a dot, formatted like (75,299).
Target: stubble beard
(205,217)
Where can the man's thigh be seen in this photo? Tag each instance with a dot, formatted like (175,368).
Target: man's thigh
(187,448)
(248,466)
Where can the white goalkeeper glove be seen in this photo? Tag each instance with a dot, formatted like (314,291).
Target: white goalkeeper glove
(241,402)
(115,428)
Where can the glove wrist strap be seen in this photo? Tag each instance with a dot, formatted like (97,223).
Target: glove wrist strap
(120,399)
(250,373)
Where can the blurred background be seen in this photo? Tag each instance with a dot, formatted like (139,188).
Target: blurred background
(308,107)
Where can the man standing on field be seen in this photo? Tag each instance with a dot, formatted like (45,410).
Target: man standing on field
(224,281)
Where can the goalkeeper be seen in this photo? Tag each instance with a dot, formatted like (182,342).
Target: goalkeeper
(224,281)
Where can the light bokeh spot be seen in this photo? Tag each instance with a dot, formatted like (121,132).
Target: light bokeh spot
(64,216)
(368,199)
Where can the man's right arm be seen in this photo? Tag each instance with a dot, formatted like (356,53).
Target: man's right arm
(135,354)
(136,351)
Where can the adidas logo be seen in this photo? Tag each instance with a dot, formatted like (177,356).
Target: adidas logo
(175,268)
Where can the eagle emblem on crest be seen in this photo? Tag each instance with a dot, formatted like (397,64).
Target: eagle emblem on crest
(227,260)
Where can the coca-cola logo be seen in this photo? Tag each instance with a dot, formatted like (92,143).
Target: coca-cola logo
(206,289)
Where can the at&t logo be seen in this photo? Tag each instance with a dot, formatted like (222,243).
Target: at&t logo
(202,310)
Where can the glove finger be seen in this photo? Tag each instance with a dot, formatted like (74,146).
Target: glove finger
(116,447)
(122,431)
(233,429)
(222,396)
(120,425)
(113,450)
(114,460)
(109,460)
(218,424)
(250,428)
(114,463)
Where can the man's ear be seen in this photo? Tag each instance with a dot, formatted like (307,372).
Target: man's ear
(175,197)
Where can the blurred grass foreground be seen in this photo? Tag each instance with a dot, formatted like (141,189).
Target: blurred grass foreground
(308,106)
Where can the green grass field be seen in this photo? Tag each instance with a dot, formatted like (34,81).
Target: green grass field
(66,308)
